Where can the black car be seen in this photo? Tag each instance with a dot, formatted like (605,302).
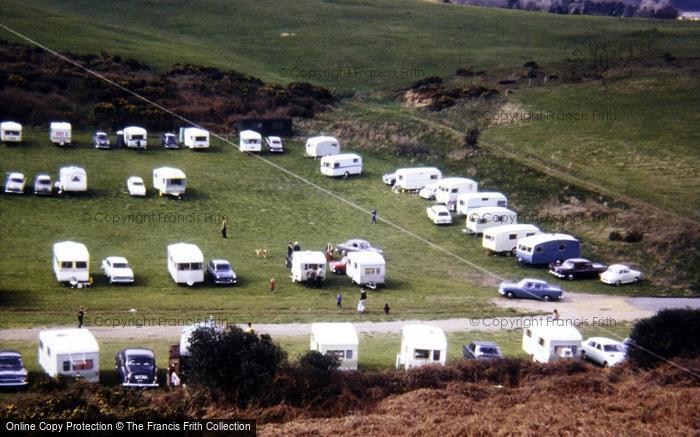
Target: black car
(12,371)
(481,350)
(577,268)
(168,141)
(136,367)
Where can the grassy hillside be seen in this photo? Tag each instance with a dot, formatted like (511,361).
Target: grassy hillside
(364,44)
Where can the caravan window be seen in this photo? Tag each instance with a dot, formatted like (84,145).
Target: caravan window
(501,203)
(339,354)
(372,271)
(82,364)
(196,266)
(200,138)
(348,354)
(183,266)
(66,366)
(436,355)
(433,176)
(541,342)
(355,160)
(421,354)
(66,264)
(80,265)
(336,165)
(454,190)
(513,236)
(176,182)
(488,237)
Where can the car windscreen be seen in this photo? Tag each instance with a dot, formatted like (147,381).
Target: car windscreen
(101,137)
(140,361)
(10,363)
(614,348)
(137,183)
(120,265)
(16,180)
(222,268)
(489,350)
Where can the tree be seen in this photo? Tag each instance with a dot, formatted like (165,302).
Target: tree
(672,333)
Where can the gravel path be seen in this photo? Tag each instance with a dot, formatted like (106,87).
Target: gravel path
(577,308)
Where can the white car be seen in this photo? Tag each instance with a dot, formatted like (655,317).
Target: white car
(136,186)
(439,214)
(15,183)
(274,144)
(604,351)
(618,274)
(428,192)
(117,270)
(389,178)
(42,184)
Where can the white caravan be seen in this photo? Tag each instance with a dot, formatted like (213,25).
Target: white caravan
(308,264)
(10,132)
(185,263)
(72,179)
(60,132)
(449,188)
(480,219)
(71,262)
(468,201)
(504,239)
(552,342)
(196,138)
(366,268)
(250,141)
(70,352)
(169,181)
(339,339)
(421,345)
(344,164)
(412,179)
(135,137)
(318,147)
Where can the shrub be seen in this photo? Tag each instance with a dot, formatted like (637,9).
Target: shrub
(615,236)
(672,333)
(633,236)
(472,137)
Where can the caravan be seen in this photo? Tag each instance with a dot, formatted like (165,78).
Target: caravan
(135,137)
(71,263)
(469,201)
(551,341)
(169,181)
(547,248)
(308,265)
(195,138)
(338,339)
(72,179)
(250,141)
(70,352)
(318,147)
(185,263)
(450,188)
(60,133)
(10,132)
(414,179)
(344,165)
(504,239)
(480,219)
(366,268)
(421,345)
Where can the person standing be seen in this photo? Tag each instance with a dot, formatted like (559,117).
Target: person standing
(290,249)
(273,284)
(386,309)
(363,294)
(81,317)
(249,329)
(555,314)
(224,222)
(373,216)
(339,300)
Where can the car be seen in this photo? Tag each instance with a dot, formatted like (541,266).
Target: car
(439,214)
(428,192)
(136,186)
(13,374)
(604,351)
(43,184)
(274,144)
(481,350)
(389,178)
(168,141)
(530,288)
(100,140)
(15,183)
(117,270)
(338,267)
(355,245)
(577,268)
(618,274)
(136,367)
(221,272)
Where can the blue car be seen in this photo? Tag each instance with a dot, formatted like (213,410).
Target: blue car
(221,273)
(530,288)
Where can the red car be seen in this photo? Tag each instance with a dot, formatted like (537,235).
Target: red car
(338,267)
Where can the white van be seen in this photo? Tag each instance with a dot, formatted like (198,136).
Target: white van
(10,132)
(468,201)
(196,138)
(344,164)
(169,181)
(366,268)
(308,264)
(72,179)
(480,219)
(318,147)
(338,339)
(70,352)
(135,137)
(449,188)
(185,263)
(250,141)
(421,345)
(60,133)
(71,263)
(413,179)
(551,342)
(504,239)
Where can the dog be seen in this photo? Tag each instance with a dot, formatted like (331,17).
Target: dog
(262,253)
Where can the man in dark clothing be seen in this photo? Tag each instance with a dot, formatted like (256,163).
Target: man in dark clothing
(386,309)
(290,249)
(223,229)
(373,217)
(339,300)
(363,294)
(81,317)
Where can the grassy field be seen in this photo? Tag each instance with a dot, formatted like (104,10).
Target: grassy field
(329,39)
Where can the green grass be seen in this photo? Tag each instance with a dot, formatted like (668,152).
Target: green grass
(351,44)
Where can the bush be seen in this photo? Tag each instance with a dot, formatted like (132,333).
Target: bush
(633,236)
(472,137)
(615,236)
(673,333)
(241,365)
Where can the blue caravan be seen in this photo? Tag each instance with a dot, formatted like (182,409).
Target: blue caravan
(547,248)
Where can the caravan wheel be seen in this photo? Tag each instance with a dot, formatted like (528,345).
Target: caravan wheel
(346,175)
(514,251)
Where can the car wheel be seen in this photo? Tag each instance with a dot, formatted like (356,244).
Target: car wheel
(636,279)
(546,297)
(570,277)
(618,283)
(605,364)
(344,252)
(510,295)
